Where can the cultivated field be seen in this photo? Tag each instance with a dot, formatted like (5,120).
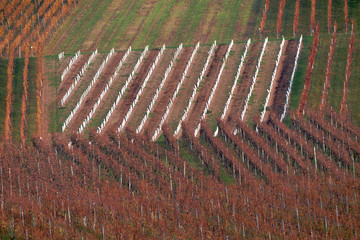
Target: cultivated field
(179,119)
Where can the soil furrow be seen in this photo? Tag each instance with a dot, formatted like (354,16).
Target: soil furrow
(70,76)
(258,96)
(186,89)
(150,89)
(284,78)
(113,91)
(124,105)
(208,83)
(168,90)
(242,89)
(225,85)
(95,92)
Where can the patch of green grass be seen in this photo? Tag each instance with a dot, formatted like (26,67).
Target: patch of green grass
(354,84)
(318,75)
(338,72)
(80,24)
(226,20)
(299,78)
(31,109)
(3,91)
(17,99)
(54,82)
(190,22)
(152,30)
(288,18)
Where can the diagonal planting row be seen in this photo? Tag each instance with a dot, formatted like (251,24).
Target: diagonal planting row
(288,92)
(85,93)
(122,91)
(120,128)
(237,76)
(217,81)
(105,90)
(72,61)
(195,88)
(254,80)
(304,146)
(337,151)
(274,75)
(77,78)
(127,102)
(155,97)
(180,72)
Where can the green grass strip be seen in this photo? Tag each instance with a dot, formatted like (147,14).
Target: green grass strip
(3,91)
(17,97)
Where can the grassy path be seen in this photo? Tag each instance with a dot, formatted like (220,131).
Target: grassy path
(3,91)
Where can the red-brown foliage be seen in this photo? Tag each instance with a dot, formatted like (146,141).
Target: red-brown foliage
(31,20)
(296,17)
(9,97)
(279,17)
(328,71)
(346,12)
(263,19)
(309,69)
(329,15)
(122,186)
(313,16)
(39,87)
(25,95)
(344,109)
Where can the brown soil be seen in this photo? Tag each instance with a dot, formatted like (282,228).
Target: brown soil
(113,91)
(124,105)
(283,82)
(226,82)
(95,92)
(263,80)
(242,89)
(181,101)
(150,89)
(70,76)
(168,90)
(81,87)
(63,63)
(197,109)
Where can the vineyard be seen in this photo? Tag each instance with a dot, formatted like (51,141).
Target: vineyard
(200,124)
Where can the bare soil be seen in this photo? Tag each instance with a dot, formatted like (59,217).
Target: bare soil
(168,90)
(95,92)
(197,109)
(81,87)
(124,105)
(63,63)
(70,76)
(226,83)
(263,80)
(150,89)
(181,101)
(283,82)
(242,89)
(113,91)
